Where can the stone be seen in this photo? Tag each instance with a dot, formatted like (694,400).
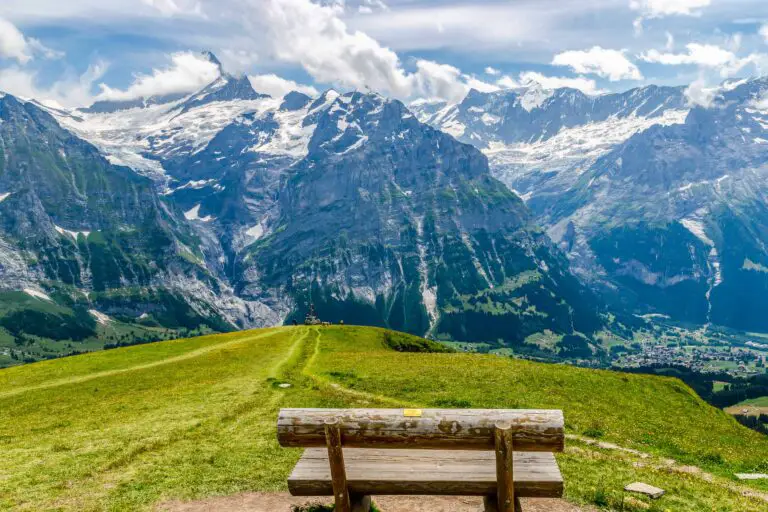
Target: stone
(284,385)
(648,490)
(751,476)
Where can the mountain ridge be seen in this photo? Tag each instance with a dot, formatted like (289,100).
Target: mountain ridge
(238,165)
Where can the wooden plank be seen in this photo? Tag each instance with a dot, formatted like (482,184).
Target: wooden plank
(504,467)
(426,472)
(463,429)
(336,466)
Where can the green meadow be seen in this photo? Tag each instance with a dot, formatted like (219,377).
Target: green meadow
(130,428)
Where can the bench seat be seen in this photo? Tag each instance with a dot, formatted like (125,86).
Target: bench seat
(425,472)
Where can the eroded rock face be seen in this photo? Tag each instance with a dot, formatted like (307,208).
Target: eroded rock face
(658,204)
(244,208)
(403,225)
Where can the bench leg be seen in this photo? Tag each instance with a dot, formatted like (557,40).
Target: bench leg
(360,503)
(504,467)
(338,470)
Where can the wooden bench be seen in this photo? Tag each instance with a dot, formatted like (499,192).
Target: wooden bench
(353,454)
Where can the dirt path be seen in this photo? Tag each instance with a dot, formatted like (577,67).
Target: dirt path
(282,502)
(673,466)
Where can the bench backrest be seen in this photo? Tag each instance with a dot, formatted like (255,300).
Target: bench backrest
(448,429)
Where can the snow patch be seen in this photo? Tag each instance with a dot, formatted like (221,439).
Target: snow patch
(490,119)
(37,294)
(534,97)
(255,232)
(100,317)
(697,229)
(194,214)
(4,196)
(73,234)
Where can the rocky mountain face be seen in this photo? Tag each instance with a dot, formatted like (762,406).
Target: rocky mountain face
(86,239)
(659,205)
(252,207)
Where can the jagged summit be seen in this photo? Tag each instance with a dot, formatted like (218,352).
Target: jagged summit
(211,57)
(227,87)
(294,101)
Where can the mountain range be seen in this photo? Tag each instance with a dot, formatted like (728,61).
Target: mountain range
(659,204)
(509,214)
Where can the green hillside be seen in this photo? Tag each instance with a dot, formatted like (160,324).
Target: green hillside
(129,428)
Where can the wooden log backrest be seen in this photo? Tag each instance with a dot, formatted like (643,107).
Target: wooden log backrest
(503,431)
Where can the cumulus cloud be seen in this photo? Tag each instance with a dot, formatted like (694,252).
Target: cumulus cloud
(532,78)
(492,71)
(176,7)
(699,93)
(439,80)
(661,8)
(237,61)
(278,87)
(764,32)
(585,85)
(13,45)
(611,64)
(71,91)
(188,72)
(480,85)
(706,56)
(315,37)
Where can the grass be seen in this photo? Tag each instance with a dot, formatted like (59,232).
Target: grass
(756,402)
(130,428)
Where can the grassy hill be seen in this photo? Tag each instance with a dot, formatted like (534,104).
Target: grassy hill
(129,428)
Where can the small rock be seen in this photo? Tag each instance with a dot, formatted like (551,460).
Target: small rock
(284,385)
(751,476)
(649,490)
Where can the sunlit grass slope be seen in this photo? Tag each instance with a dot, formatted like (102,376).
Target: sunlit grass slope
(130,428)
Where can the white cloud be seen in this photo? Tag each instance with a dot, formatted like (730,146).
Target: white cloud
(529,78)
(436,80)
(585,85)
(188,72)
(611,64)
(698,54)
(479,85)
(661,8)
(13,45)
(507,82)
(700,94)
(650,9)
(707,56)
(764,32)
(315,37)
(278,87)
(492,71)
(237,61)
(176,7)
(70,91)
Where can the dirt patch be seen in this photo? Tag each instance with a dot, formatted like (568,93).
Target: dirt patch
(282,502)
(747,410)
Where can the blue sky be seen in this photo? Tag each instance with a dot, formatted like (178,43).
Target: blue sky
(73,52)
